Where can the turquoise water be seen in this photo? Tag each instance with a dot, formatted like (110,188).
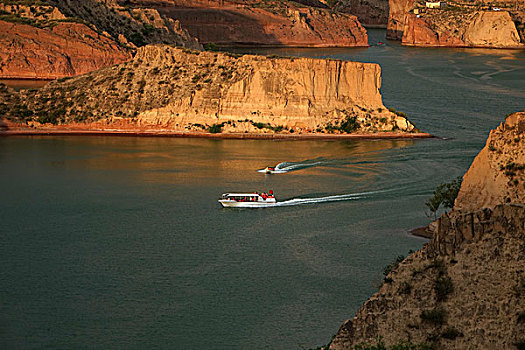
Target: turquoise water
(119,242)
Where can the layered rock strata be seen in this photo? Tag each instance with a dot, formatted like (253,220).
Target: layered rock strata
(135,26)
(457,24)
(398,11)
(177,89)
(67,38)
(270,23)
(371,13)
(478,29)
(65,49)
(465,289)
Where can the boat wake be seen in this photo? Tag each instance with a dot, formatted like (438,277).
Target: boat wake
(341,197)
(315,200)
(286,167)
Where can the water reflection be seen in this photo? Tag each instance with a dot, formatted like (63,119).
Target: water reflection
(177,160)
(19,84)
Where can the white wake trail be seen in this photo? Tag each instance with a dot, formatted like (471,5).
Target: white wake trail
(341,197)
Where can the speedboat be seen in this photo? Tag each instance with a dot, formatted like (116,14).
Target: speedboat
(269,170)
(248,200)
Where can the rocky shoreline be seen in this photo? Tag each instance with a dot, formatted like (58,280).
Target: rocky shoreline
(64,131)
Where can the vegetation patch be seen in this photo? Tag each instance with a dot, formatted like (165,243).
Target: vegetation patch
(443,287)
(396,112)
(435,316)
(444,195)
(405,288)
(401,345)
(215,128)
(392,266)
(451,333)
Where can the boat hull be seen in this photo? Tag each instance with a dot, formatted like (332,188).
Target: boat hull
(234,204)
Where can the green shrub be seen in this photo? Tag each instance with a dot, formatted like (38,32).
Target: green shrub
(443,287)
(211,47)
(445,194)
(196,78)
(405,288)
(435,316)
(349,125)
(393,110)
(394,264)
(451,333)
(216,128)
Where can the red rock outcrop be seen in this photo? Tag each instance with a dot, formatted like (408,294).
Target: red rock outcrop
(480,29)
(397,15)
(63,50)
(458,24)
(417,32)
(274,24)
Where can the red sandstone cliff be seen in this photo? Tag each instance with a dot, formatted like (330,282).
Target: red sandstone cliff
(397,14)
(271,23)
(64,38)
(479,29)
(63,50)
(457,24)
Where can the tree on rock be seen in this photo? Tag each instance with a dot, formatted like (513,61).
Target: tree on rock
(444,195)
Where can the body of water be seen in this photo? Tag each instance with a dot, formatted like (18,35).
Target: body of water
(119,242)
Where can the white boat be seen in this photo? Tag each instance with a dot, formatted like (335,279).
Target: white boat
(248,200)
(271,170)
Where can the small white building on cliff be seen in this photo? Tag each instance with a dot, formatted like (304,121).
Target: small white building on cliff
(435,4)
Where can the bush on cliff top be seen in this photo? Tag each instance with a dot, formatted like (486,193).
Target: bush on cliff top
(435,316)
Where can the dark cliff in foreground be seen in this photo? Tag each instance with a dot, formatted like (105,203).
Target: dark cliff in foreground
(465,289)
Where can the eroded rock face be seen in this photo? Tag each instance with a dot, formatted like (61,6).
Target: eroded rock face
(64,50)
(497,174)
(372,13)
(176,89)
(53,44)
(397,15)
(457,24)
(274,24)
(463,290)
(479,29)
(139,25)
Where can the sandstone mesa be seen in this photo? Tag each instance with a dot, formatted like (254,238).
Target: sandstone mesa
(182,90)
